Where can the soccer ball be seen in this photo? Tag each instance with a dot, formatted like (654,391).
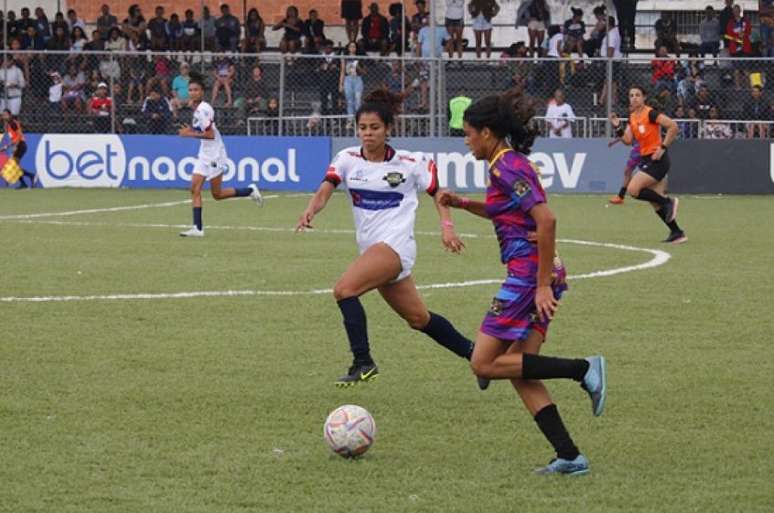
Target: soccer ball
(349,430)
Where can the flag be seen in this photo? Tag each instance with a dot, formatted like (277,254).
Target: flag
(11,171)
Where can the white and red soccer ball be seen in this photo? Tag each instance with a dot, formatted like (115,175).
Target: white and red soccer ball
(349,430)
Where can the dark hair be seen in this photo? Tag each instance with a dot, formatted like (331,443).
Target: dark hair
(640,88)
(383,103)
(194,77)
(508,116)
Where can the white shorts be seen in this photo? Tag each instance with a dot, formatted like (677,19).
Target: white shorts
(480,23)
(210,169)
(536,25)
(407,252)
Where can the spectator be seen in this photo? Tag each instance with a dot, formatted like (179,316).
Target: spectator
(42,25)
(724,17)
(271,125)
(255,40)
(227,30)
(191,39)
(138,73)
(351,82)
(114,43)
(715,129)
(294,29)
(426,40)
(757,108)
(134,26)
(738,32)
(25,21)
(703,103)
(709,32)
(13,28)
(766,18)
(97,44)
(418,20)
(157,112)
(174,32)
(663,71)
(376,31)
(106,21)
(314,31)
(627,11)
(539,19)
(687,88)
(329,73)
(58,42)
(256,93)
(12,81)
(398,37)
(180,87)
(55,92)
(224,73)
(78,39)
(59,21)
(559,117)
(31,40)
(683,125)
(574,30)
(611,48)
(666,34)
(157,26)
(351,12)
(101,106)
(592,46)
(455,23)
(162,74)
(74,21)
(74,84)
(482,12)
(208,28)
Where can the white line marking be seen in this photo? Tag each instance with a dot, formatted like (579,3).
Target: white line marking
(659,258)
(93,210)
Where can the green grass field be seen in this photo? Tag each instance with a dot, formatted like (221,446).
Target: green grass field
(216,404)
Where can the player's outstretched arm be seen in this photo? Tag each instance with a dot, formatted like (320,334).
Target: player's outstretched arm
(448,236)
(316,204)
(450,199)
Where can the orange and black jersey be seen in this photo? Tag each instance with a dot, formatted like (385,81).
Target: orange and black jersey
(646,130)
(13,127)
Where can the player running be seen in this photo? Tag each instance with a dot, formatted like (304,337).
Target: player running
(631,165)
(212,157)
(382,184)
(512,332)
(645,124)
(12,127)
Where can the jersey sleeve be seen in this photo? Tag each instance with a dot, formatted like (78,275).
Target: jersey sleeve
(203,118)
(653,115)
(337,169)
(522,185)
(426,175)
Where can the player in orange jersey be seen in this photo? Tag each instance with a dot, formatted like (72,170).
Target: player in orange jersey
(12,127)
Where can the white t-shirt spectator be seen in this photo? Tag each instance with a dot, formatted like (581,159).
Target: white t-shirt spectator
(425,42)
(554,45)
(55,93)
(612,40)
(556,117)
(455,9)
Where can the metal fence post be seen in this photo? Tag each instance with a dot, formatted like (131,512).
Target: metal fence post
(609,99)
(281,95)
(433,94)
(112,96)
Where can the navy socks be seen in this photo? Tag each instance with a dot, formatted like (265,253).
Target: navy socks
(442,331)
(197,217)
(357,332)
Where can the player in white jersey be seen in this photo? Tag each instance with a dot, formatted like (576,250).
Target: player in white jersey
(212,157)
(382,184)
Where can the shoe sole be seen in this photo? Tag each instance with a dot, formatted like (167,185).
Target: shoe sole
(578,472)
(674,210)
(603,392)
(347,384)
(680,240)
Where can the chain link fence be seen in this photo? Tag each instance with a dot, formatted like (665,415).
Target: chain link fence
(264,94)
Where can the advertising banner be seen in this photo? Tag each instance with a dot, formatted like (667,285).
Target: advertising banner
(566,165)
(143,161)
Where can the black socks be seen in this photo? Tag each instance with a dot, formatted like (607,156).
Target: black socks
(197,217)
(653,197)
(550,423)
(622,193)
(442,331)
(357,333)
(534,366)
(241,193)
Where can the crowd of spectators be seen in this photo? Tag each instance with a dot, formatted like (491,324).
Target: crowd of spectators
(72,82)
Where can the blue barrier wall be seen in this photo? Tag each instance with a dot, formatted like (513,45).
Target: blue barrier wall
(299,163)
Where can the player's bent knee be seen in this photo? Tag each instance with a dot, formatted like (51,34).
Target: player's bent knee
(417,321)
(479,368)
(343,291)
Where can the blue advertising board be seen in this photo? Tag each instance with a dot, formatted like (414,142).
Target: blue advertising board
(143,161)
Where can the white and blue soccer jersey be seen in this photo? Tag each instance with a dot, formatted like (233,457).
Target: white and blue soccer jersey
(384,197)
(212,152)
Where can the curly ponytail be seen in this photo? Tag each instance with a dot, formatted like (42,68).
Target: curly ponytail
(383,103)
(508,116)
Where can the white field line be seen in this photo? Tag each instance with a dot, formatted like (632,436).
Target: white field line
(101,210)
(658,258)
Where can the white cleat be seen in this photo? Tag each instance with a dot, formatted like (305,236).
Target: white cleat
(193,232)
(256,195)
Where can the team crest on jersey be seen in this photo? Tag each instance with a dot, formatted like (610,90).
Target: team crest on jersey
(394,178)
(521,188)
(496,308)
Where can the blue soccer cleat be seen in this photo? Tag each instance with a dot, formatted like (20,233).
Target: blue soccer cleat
(595,383)
(577,467)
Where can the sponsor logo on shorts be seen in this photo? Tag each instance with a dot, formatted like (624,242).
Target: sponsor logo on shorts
(496,308)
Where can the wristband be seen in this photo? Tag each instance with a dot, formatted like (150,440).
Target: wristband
(464,202)
(620,131)
(664,147)
(447,223)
